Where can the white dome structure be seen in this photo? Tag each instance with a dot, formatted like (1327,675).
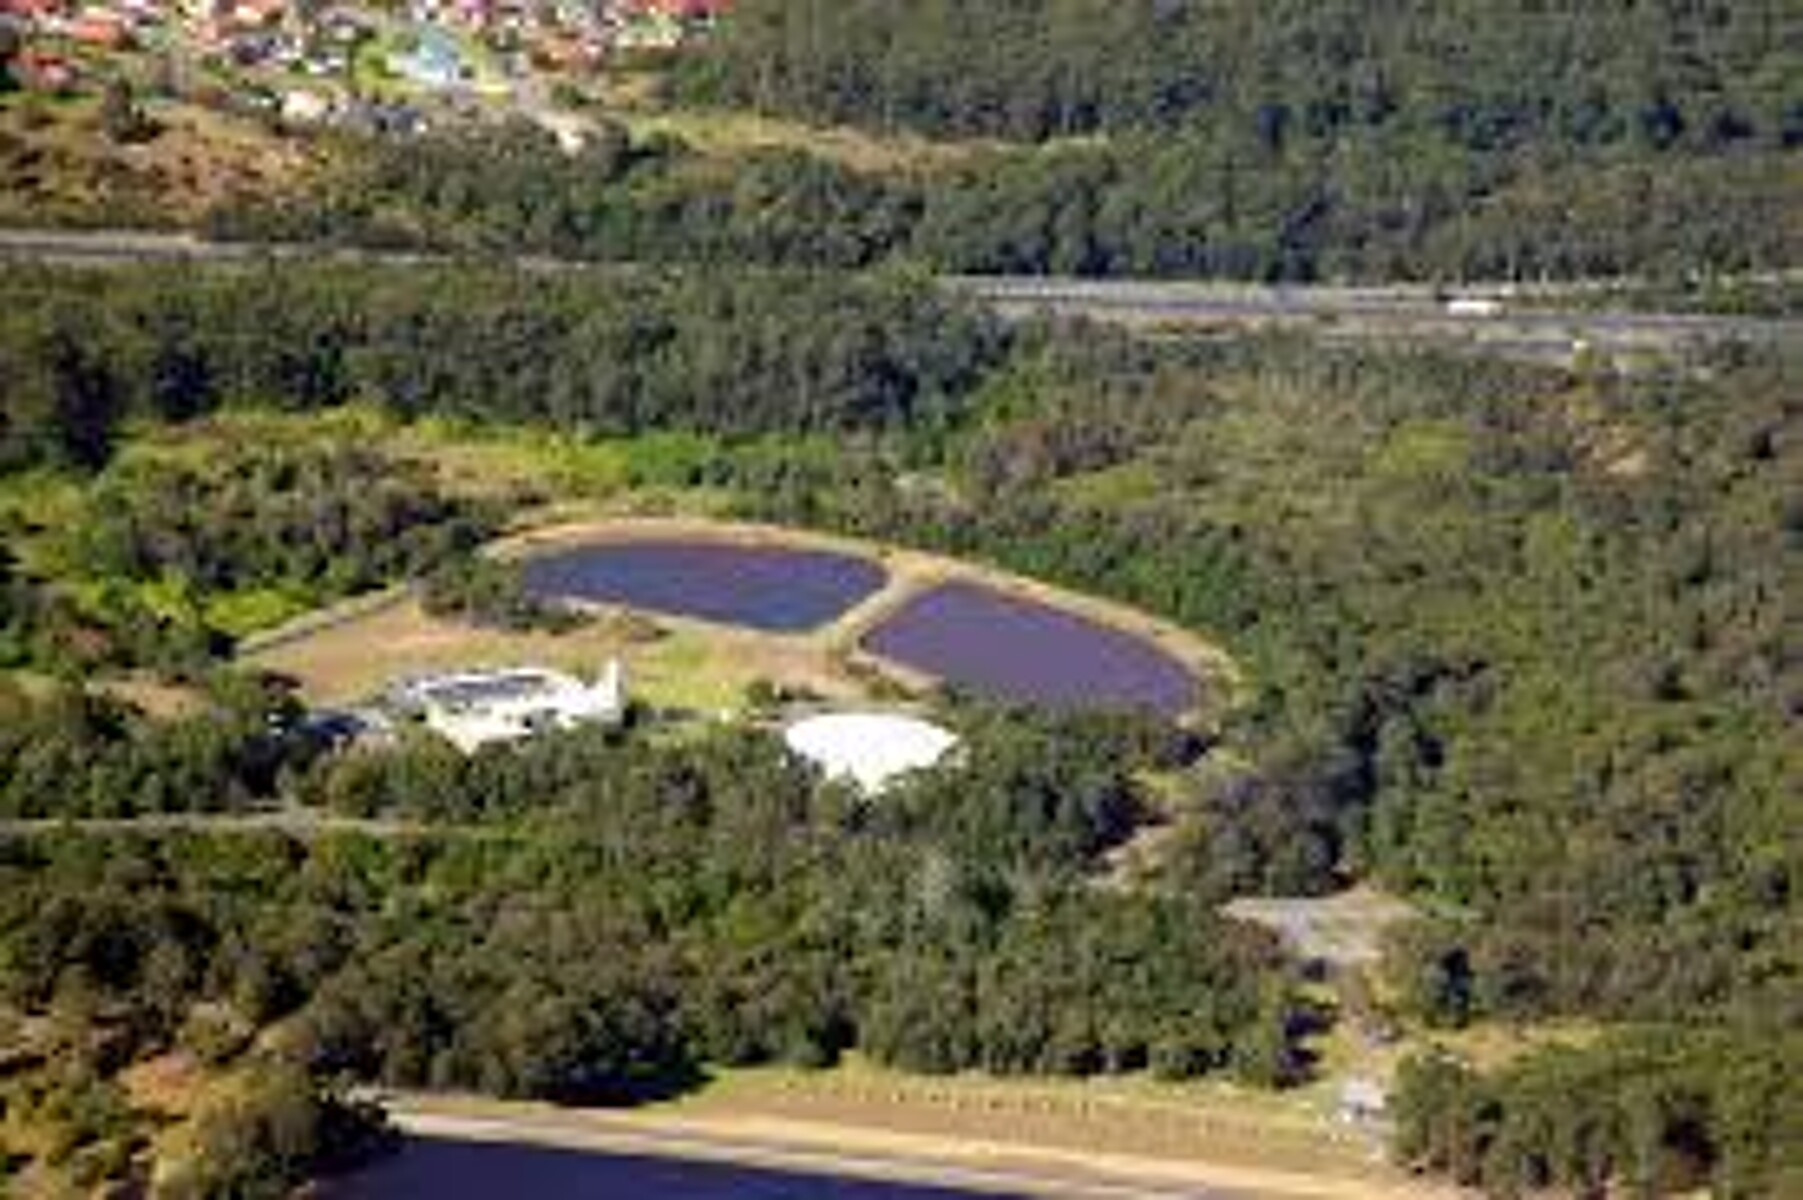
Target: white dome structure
(870,749)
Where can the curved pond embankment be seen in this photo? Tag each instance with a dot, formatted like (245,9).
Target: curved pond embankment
(1018,650)
(918,617)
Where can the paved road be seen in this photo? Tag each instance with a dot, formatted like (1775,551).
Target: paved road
(1389,313)
(1402,313)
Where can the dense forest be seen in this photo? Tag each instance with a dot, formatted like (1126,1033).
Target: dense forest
(163,562)
(1142,205)
(614,352)
(1520,640)
(1520,644)
(1488,76)
(1161,137)
(512,189)
(1306,139)
(346,516)
(76,754)
(1523,638)
(597,917)
(1525,645)
(1504,620)
(1658,1112)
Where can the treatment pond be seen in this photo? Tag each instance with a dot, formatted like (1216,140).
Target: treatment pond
(778,589)
(1023,651)
(930,618)
(446,1170)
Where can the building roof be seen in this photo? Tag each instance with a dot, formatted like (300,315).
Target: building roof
(871,750)
(475,708)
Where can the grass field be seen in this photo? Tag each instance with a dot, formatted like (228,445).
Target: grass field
(536,464)
(685,667)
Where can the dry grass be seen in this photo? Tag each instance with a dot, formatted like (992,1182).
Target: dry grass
(1346,930)
(701,668)
(59,166)
(165,701)
(729,134)
(172,1084)
(1217,1122)
(1495,1044)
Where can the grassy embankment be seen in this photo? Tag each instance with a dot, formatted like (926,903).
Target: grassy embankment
(1057,1134)
(1249,1141)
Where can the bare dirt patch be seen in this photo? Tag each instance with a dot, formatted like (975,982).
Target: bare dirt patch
(1346,930)
(165,701)
(733,134)
(170,1084)
(59,166)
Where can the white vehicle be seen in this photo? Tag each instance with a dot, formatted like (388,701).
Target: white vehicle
(1474,306)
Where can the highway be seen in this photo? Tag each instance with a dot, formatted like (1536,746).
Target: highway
(1527,323)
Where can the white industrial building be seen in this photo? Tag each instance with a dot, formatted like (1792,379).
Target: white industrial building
(478,708)
(872,750)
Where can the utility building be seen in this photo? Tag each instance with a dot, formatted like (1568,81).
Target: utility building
(477,708)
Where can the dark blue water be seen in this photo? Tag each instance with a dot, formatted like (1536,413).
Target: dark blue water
(772,588)
(435,1170)
(1019,651)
